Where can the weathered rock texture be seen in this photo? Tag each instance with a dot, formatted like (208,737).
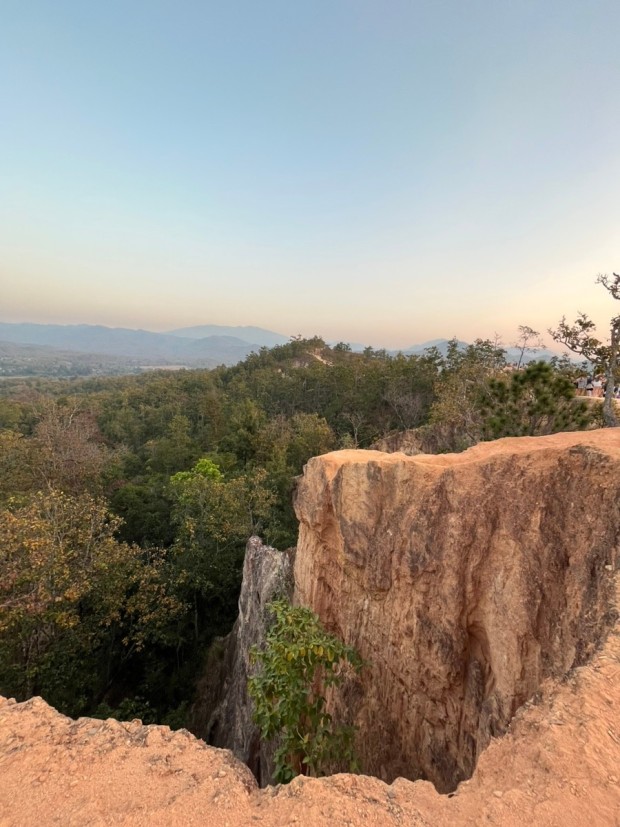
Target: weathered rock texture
(222,715)
(465,580)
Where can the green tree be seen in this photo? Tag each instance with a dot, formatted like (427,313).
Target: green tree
(283,446)
(299,661)
(246,419)
(528,341)
(214,516)
(16,465)
(581,339)
(69,592)
(532,402)
(145,508)
(455,416)
(175,450)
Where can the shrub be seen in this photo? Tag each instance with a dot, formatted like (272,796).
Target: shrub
(300,659)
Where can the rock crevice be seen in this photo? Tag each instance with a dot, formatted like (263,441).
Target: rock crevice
(222,713)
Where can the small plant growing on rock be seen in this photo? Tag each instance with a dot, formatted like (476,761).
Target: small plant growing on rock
(299,660)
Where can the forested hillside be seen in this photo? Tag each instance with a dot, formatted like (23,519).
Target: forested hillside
(126,502)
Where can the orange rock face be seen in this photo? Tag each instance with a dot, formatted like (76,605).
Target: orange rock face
(464,580)
(469,582)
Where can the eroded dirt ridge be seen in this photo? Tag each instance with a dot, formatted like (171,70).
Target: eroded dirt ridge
(556,767)
(464,580)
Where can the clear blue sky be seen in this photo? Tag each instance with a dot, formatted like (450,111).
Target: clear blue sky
(385,171)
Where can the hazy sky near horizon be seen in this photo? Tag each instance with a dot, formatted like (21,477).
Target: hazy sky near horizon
(379,171)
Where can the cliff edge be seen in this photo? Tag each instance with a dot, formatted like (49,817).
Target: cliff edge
(558,766)
(464,580)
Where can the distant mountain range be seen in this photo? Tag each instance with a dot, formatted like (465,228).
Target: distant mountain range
(206,346)
(118,349)
(252,335)
(512,353)
(440,344)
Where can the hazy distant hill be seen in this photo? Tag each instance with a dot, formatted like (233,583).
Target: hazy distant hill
(118,349)
(512,353)
(252,335)
(440,344)
(542,355)
(139,346)
(223,350)
(115,341)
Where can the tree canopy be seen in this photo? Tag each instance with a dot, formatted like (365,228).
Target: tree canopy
(603,355)
(126,502)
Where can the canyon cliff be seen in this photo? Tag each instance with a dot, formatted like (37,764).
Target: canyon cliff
(463,580)
(222,713)
(481,589)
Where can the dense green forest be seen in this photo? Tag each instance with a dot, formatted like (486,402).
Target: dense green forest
(126,502)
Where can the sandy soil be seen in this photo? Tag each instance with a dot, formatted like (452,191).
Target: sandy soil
(559,765)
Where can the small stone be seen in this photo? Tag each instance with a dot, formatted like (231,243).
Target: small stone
(498,793)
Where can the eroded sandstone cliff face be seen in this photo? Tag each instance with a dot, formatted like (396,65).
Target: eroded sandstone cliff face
(222,714)
(465,580)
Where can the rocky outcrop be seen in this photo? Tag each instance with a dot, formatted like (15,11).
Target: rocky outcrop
(222,714)
(464,580)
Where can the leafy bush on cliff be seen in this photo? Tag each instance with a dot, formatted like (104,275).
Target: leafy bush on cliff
(298,662)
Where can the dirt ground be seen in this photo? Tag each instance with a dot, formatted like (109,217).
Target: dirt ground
(558,765)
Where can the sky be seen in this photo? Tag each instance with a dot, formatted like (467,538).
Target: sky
(378,171)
